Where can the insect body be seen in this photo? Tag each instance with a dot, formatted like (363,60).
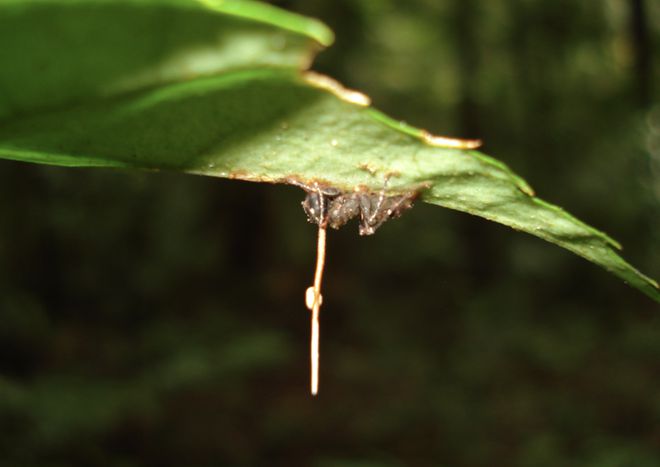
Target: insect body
(328,206)
(343,208)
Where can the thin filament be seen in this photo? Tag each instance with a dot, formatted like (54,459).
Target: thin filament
(316,307)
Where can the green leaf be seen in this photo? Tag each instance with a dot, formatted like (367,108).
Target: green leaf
(253,117)
(59,52)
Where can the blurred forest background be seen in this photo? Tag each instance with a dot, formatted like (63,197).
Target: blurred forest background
(158,319)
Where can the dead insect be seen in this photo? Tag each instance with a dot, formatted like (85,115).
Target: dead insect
(374,209)
(329,206)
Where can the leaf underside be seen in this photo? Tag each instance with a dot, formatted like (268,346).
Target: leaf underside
(223,94)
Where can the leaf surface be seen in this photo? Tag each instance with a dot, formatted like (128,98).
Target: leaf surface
(61,52)
(215,97)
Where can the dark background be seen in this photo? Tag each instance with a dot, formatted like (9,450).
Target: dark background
(158,319)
